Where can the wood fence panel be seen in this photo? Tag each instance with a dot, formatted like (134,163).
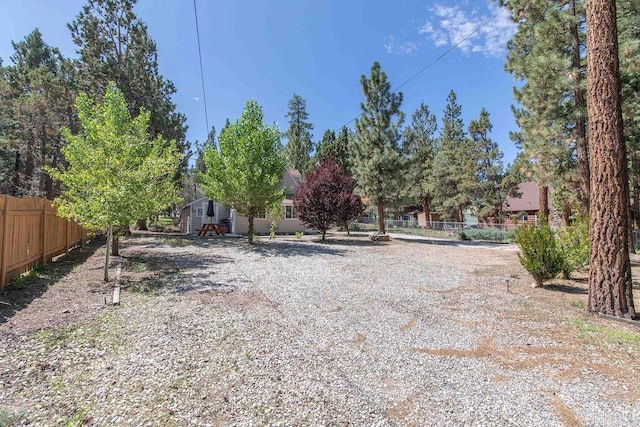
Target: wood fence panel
(31,233)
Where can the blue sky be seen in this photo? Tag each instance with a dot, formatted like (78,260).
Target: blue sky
(267,50)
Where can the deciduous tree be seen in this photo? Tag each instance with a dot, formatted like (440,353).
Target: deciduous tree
(326,197)
(245,170)
(111,159)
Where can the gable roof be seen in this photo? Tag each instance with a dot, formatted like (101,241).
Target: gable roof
(529,199)
(291,180)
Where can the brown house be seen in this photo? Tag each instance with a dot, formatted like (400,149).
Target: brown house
(527,206)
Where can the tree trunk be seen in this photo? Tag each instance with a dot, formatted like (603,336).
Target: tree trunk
(141,224)
(566,213)
(460,214)
(115,242)
(250,233)
(381,227)
(543,199)
(16,175)
(106,257)
(610,284)
(582,145)
(324,232)
(427,212)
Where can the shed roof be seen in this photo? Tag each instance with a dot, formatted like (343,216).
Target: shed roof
(529,199)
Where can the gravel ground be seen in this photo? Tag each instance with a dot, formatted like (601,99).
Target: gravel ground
(296,332)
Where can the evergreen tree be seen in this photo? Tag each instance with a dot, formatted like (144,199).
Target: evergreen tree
(326,146)
(114,45)
(201,148)
(420,146)
(454,168)
(610,281)
(245,170)
(299,146)
(547,53)
(376,155)
(489,195)
(37,100)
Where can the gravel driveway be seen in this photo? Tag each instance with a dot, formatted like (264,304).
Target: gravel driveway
(296,332)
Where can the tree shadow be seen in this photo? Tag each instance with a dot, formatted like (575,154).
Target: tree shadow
(286,248)
(22,290)
(566,289)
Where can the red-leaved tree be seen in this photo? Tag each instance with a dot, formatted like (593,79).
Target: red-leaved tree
(326,197)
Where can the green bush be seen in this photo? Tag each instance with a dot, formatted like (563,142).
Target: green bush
(489,234)
(539,253)
(573,242)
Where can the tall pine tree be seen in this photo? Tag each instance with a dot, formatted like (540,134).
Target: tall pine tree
(114,45)
(489,195)
(454,168)
(37,99)
(547,53)
(377,160)
(299,146)
(420,146)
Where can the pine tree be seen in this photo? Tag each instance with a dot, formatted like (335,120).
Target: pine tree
(547,53)
(610,282)
(377,160)
(114,45)
(420,146)
(299,146)
(201,148)
(454,167)
(37,100)
(489,195)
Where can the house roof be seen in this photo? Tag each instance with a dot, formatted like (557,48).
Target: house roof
(200,200)
(528,201)
(291,180)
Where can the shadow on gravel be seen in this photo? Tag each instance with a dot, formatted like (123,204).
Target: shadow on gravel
(566,289)
(440,242)
(21,291)
(288,249)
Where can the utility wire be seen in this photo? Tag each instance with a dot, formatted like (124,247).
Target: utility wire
(445,53)
(204,93)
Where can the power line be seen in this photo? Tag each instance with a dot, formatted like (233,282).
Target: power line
(445,53)
(204,93)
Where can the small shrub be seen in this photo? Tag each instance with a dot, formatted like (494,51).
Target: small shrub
(299,234)
(489,234)
(573,242)
(539,254)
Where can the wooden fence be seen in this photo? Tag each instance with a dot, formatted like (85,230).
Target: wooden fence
(32,234)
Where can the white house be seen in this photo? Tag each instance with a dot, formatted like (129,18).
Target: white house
(194,214)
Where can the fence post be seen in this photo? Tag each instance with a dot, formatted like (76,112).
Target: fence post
(4,259)
(44,232)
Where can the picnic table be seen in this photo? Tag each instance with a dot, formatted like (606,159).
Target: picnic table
(211,228)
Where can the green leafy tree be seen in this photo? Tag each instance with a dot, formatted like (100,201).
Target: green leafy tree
(245,170)
(420,146)
(455,163)
(36,100)
(111,159)
(489,194)
(299,146)
(376,153)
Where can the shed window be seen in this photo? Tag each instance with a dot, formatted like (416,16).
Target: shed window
(290,212)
